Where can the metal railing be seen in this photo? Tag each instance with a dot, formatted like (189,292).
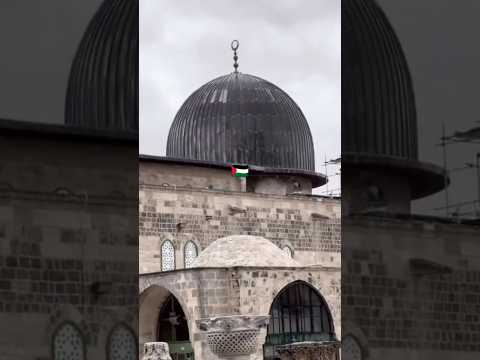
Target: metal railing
(274,340)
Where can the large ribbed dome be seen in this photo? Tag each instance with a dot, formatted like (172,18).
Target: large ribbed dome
(379,124)
(103,86)
(240,118)
(378,104)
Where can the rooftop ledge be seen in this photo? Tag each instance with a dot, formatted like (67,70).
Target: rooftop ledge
(317,179)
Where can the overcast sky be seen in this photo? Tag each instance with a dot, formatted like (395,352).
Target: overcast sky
(440,40)
(39,40)
(294,44)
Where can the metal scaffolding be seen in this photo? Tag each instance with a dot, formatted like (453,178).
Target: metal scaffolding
(469,209)
(336,163)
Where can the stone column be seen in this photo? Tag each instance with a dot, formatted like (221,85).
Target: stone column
(233,337)
(310,350)
(156,351)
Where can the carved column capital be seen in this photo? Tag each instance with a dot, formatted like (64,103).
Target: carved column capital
(235,335)
(156,351)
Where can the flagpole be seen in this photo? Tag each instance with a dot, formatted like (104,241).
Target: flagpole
(243,184)
(445,168)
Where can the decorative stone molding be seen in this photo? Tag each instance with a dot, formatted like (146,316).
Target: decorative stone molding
(235,335)
(156,351)
(309,350)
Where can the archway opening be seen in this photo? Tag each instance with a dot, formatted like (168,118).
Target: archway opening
(163,319)
(172,327)
(298,313)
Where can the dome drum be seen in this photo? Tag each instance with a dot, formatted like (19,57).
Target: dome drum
(309,179)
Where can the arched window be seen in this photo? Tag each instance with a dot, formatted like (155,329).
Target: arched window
(288,250)
(168,256)
(298,314)
(351,349)
(122,344)
(68,343)
(190,252)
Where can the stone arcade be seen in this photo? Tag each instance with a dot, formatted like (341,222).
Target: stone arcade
(238,267)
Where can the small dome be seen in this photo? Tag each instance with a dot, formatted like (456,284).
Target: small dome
(102,89)
(240,118)
(243,250)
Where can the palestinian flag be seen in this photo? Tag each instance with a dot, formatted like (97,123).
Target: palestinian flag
(239,170)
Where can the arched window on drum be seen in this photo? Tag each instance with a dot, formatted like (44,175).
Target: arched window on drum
(167,252)
(68,343)
(190,253)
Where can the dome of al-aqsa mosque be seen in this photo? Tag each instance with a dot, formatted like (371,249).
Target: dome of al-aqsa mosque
(241,118)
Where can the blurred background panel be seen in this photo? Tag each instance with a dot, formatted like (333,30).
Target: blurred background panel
(69,180)
(410,180)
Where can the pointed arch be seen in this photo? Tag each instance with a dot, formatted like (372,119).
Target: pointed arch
(122,343)
(167,256)
(298,313)
(172,323)
(351,348)
(190,253)
(68,342)
(163,316)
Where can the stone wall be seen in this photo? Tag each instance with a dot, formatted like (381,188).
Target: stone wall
(183,203)
(181,175)
(411,287)
(68,243)
(309,225)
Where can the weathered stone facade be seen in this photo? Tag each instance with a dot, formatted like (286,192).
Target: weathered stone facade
(183,212)
(182,203)
(411,287)
(205,293)
(66,242)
